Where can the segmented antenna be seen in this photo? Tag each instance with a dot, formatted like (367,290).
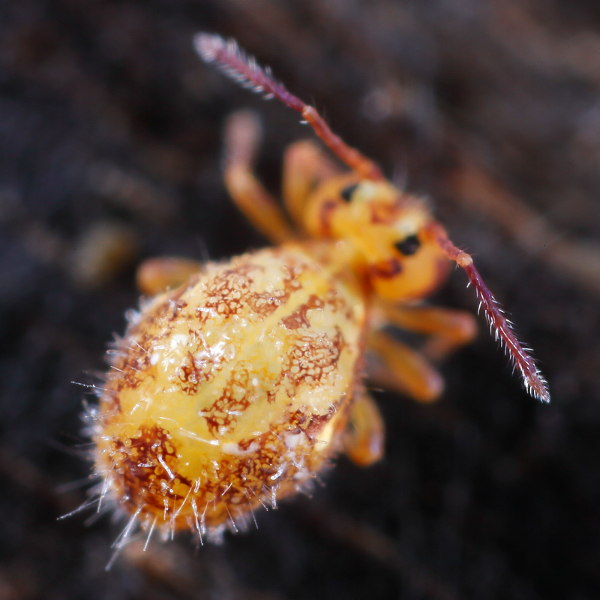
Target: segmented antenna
(533,380)
(244,69)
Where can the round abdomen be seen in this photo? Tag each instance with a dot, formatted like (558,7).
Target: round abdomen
(229,392)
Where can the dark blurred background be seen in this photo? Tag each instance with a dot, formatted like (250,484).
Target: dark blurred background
(110,144)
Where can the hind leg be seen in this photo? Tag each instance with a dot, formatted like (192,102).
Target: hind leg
(363,440)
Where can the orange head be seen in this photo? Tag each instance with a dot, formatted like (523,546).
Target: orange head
(384,226)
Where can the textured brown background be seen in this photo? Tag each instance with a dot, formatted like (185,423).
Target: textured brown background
(110,127)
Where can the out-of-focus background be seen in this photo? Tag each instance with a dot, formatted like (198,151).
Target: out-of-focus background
(110,152)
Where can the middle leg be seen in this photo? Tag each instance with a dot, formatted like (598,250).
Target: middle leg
(402,369)
(448,328)
(157,275)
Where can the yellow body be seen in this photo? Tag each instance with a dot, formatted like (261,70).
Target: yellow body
(237,386)
(230,391)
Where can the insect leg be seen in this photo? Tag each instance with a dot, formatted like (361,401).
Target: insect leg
(304,167)
(159,274)
(363,439)
(403,369)
(449,329)
(242,132)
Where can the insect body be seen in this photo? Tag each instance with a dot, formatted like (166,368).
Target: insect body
(232,390)
(238,384)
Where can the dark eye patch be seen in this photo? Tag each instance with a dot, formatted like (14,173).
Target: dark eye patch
(347,192)
(408,246)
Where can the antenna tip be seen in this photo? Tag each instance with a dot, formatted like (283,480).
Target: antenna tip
(208,45)
(538,388)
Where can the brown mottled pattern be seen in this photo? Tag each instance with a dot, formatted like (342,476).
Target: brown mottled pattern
(245,482)
(235,398)
(131,357)
(231,291)
(338,304)
(299,318)
(241,483)
(128,365)
(165,312)
(265,303)
(199,365)
(191,373)
(227,291)
(232,390)
(144,465)
(313,357)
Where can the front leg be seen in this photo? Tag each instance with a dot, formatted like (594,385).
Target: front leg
(304,167)
(242,133)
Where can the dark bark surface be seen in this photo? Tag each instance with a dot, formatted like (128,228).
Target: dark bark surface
(110,152)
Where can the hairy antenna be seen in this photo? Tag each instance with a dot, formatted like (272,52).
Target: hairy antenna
(244,69)
(533,380)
